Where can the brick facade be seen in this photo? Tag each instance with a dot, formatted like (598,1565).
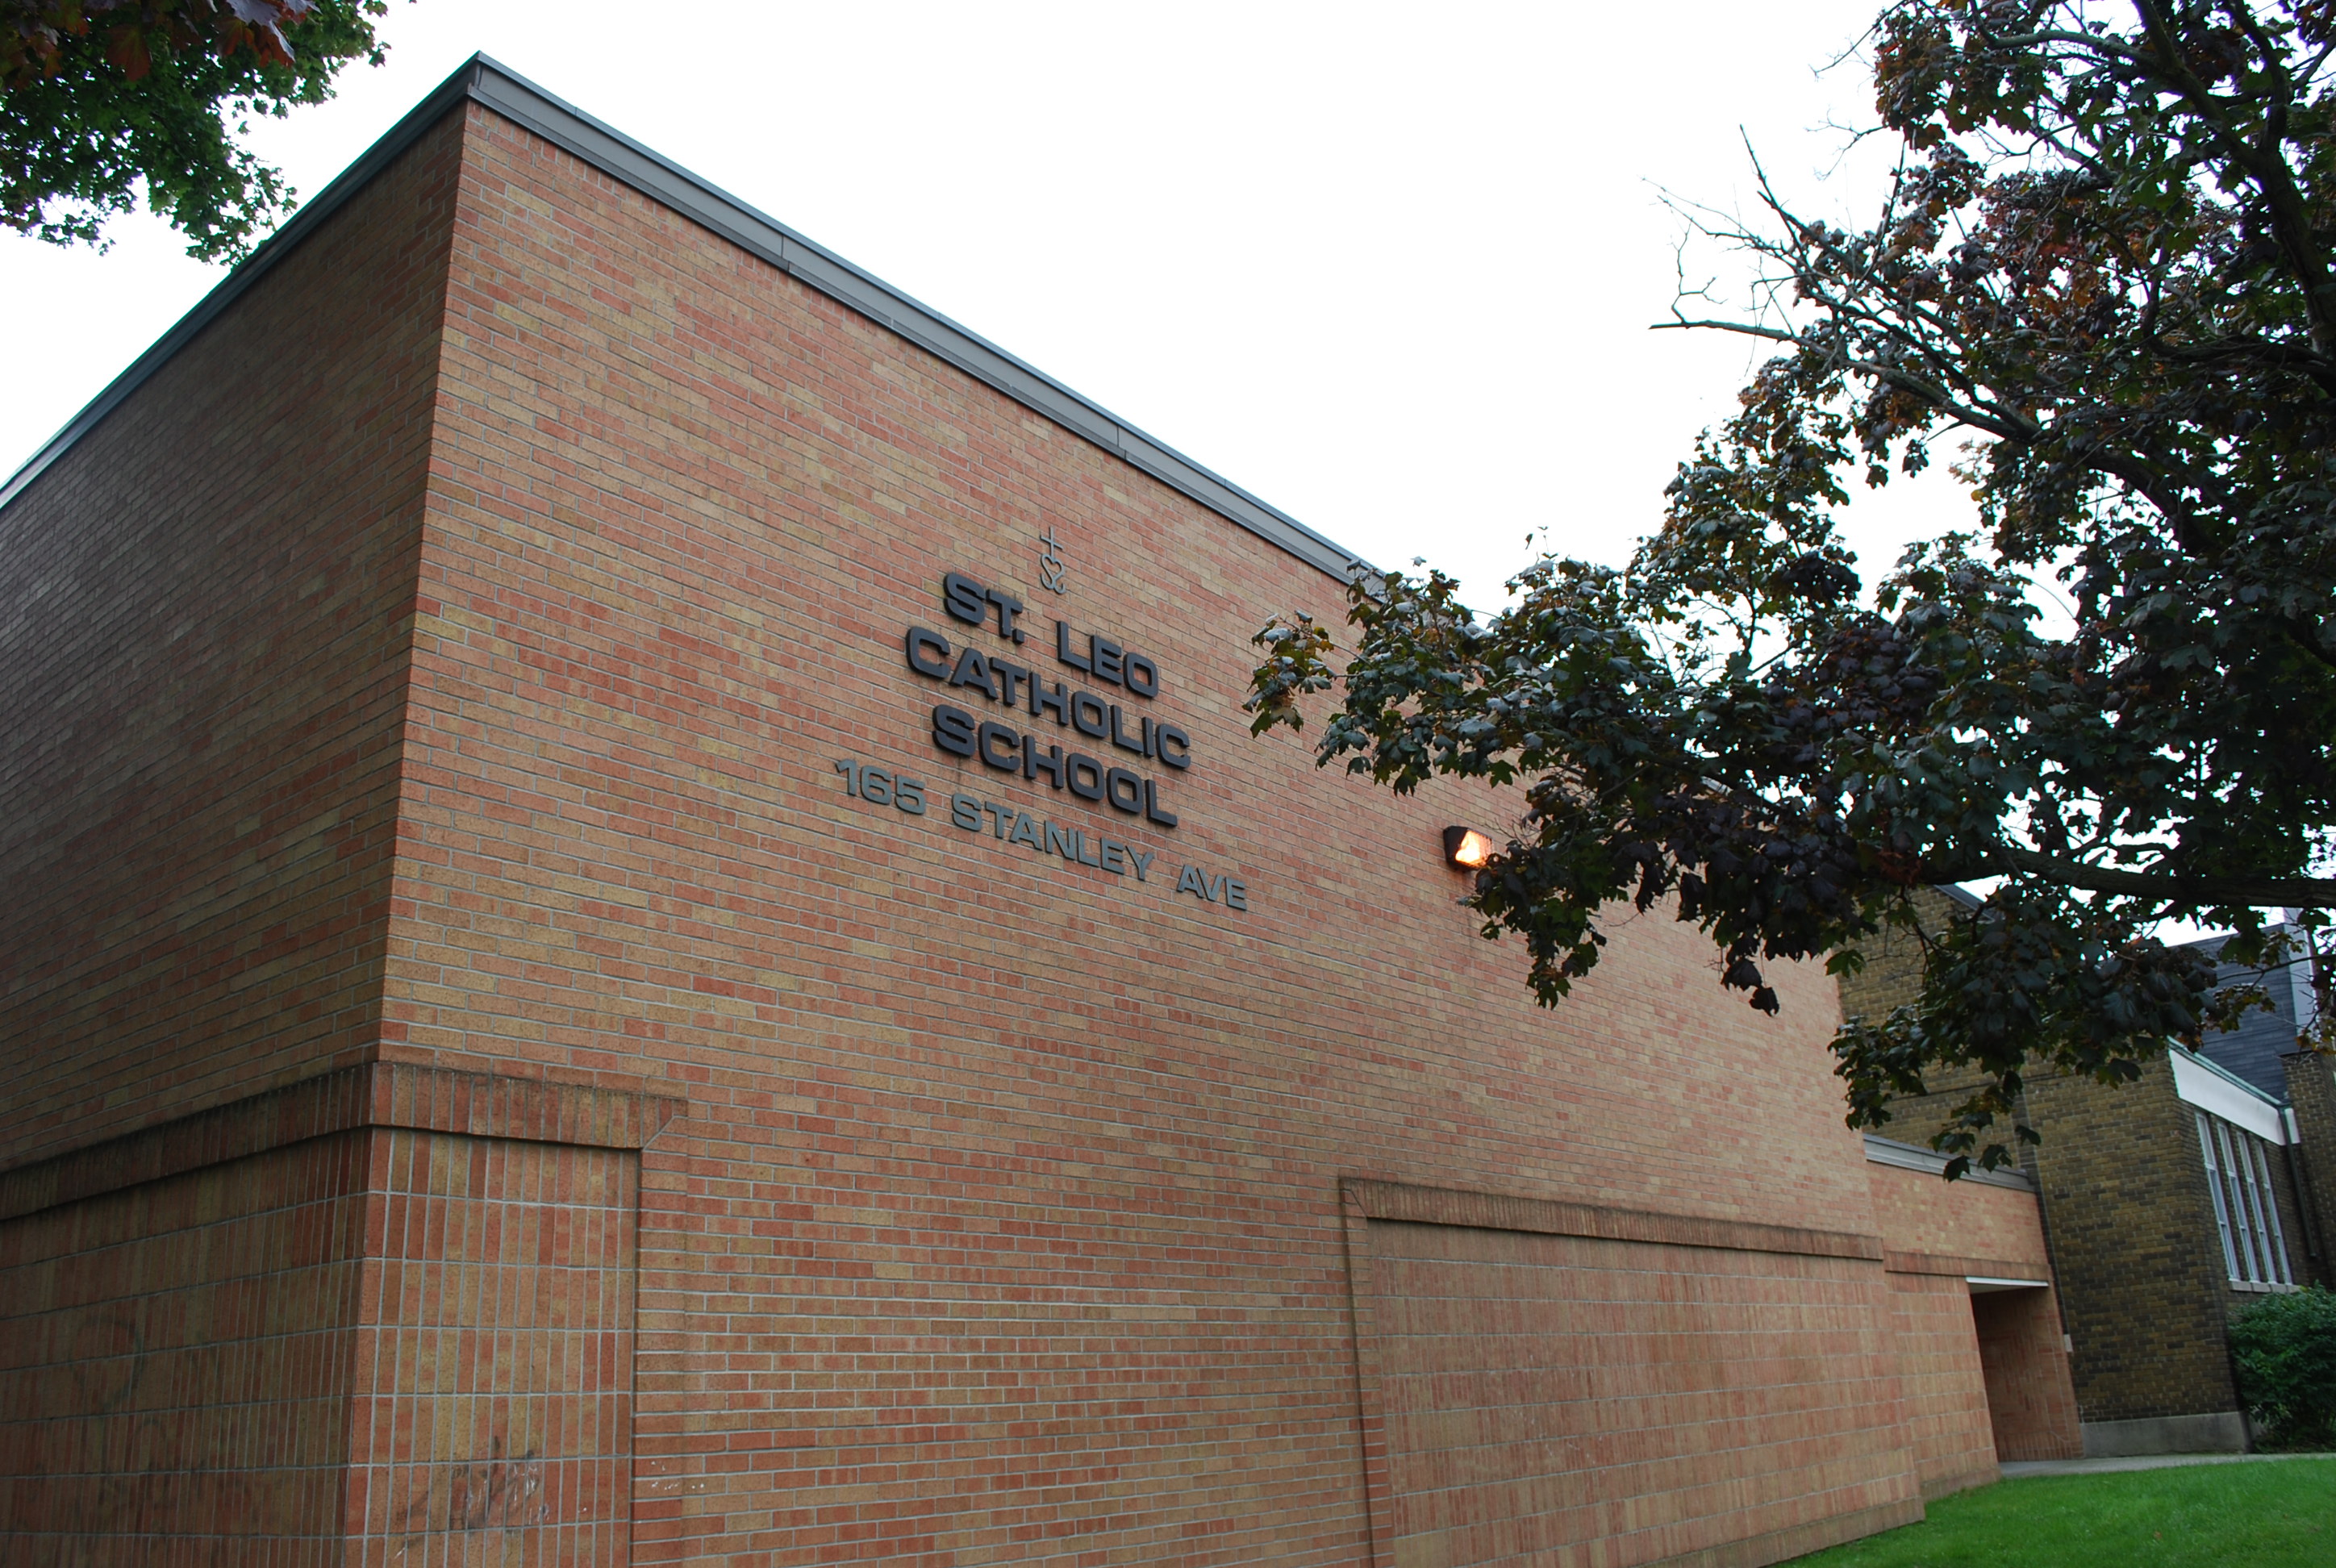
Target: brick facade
(2133,1228)
(1945,1382)
(1987,1377)
(378,1317)
(2312,1094)
(465,1007)
(2032,1413)
(1546,1378)
(2143,1293)
(202,678)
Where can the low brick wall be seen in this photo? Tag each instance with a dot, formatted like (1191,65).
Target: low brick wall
(1547,1379)
(384,1313)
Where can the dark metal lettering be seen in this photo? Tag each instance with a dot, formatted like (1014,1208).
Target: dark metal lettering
(928,652)
(953,730)
(973,670)
(1154,812)
(964,814)
(1008,606)
(1136,742)
(1088,715)
(1117,780)
(966,600)
(1167,735)
(1063,648)
(1143,676)
(1089,788)
(1010,676)
(1108,659)
(993,736)
(1058,701)
(1034,763)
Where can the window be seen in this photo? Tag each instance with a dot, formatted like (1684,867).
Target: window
(2276,1241)
(2246,1210)
(2222,1206)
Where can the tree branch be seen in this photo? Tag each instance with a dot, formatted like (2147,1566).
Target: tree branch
(2264,892)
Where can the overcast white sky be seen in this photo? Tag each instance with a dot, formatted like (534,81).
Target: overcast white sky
(1390,269)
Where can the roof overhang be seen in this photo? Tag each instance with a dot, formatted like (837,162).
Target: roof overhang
(2220,1093)
(482,81)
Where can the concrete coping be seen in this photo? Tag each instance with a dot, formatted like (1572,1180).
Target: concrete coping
(1881,1151)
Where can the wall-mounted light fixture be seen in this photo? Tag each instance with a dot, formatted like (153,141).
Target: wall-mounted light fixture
(1467,849)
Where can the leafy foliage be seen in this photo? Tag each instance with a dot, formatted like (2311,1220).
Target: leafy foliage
(2104,265)
(101,97)
(2284,1348)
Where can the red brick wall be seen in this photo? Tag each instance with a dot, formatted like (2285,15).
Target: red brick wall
(203,612)
(383,1317)
(1548,1381)
(1988,1376)
(1003,1223)
(1978,1228)
(175,1364)
(1947,1394)
(2032,1407)
(494,1369)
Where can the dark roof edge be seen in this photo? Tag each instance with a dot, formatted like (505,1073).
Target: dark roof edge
(250,270)
(482,81)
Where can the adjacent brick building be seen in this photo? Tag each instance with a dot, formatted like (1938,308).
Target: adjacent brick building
(642,926)
(2171,1203)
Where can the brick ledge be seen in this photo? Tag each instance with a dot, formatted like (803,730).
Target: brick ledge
(371,1095)
(1496,1211)
(1962,1268)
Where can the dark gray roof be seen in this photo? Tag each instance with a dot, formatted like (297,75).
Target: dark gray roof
(2253,1050)
(482,81)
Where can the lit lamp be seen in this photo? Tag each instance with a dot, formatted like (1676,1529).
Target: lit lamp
(1467,849)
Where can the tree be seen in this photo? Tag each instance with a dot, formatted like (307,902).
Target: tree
(99,97)
(2104,264)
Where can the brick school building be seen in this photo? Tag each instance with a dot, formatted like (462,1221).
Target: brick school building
(641,926)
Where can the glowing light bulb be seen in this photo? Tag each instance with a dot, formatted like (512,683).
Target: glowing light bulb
(1467,849)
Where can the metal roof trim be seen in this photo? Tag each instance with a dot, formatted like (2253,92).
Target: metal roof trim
(483,81)
(455,90)
(2214,1088)
(1881,1151)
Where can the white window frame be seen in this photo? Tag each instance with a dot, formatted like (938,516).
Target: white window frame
(2247,1225)
(2246,1205)
(2214,1186)
(2261,1151)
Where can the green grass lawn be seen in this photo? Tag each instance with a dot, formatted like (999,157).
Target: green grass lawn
(2278,1515)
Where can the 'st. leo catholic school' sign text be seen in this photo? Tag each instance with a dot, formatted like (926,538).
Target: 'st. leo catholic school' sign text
(1005,734)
